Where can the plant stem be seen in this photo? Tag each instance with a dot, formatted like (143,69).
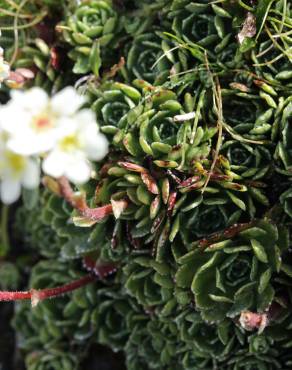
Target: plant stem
(228,233)
(79,202)
(39,295)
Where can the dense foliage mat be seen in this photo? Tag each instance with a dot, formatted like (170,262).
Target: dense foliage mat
(180,239)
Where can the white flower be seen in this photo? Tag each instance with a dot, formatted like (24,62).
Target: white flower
(50,128)
(4,67)
(81,141)
(35,122)
(16,171)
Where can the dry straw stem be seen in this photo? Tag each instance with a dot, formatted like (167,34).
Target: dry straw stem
(217,99)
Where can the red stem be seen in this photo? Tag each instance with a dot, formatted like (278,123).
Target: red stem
(228,233)
(40,295)
(79,202)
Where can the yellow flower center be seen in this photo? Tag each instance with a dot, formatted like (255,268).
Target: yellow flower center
(70,143)
(15,162)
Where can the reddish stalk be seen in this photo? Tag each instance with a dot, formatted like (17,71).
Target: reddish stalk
(228,233)
(78,201)
(39,295)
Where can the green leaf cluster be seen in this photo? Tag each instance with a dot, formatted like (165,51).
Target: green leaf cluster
(200,137)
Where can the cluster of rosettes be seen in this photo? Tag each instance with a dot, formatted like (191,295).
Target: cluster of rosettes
(186,219)
(56,332)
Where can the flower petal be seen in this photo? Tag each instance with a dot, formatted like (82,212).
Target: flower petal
(9,191)
(33,101)
(31,144)
(31,176)
(14,120)
(78,171)
(67,101)
(55,164)
(96,146)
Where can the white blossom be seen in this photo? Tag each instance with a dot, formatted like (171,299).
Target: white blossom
(4,67)
(35,122)
(35,127)
(80,142)
(16,171)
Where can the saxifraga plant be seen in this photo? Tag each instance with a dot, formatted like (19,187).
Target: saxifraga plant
(177,250)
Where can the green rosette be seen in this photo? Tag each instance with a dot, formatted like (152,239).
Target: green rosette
(115,316)
(150,122)
(259,354)
(200,22)
(250,114)
(140,16)
(247,161)
(111,103)
(151,283)
(211,216)
(153,346)
(9,276)
(206,340)
(234,272)
(90,29)
(145,59)
(154,57)
(204,26)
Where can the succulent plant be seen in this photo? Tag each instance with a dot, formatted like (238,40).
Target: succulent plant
(210,215)
(184,227)
(115,317)
(237,274)
(206,26)
(9,276)
(153,345)
(248,116)
(205,340)
(199,23)
(145,59)
(89,29)
(247,161)
(151,283)
(111,103)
